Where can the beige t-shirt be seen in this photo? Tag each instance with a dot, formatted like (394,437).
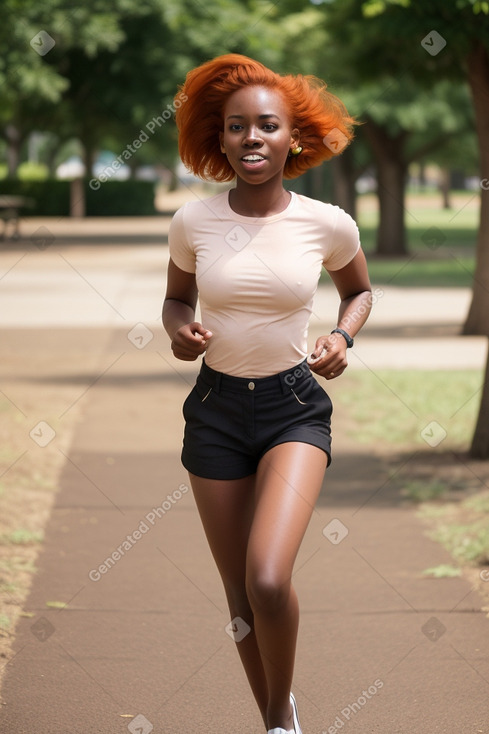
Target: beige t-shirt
(257,277)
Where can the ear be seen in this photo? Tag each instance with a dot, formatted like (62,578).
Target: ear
(221,142)
(295,138)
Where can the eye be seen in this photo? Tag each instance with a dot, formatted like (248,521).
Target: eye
(235,127)
(269,127)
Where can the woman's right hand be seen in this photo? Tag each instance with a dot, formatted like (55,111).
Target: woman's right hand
(190,341)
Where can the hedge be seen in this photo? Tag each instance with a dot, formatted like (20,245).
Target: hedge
(113,198)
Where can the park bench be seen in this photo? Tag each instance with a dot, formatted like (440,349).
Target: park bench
(10,207)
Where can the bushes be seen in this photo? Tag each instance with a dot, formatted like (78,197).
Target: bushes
(50,198)
(120,198)
(113,198)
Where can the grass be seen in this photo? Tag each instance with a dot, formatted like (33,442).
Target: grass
(21,536)
(462,528)
(387,411)
(447,264)
(424,491)
(443,571)
(390,408)
(451,272)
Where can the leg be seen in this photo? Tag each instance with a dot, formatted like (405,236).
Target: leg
(288,482)
(226,510)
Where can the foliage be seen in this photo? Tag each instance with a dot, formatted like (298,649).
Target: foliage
(113,198)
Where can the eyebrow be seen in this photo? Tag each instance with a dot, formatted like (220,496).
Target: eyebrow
(260,117)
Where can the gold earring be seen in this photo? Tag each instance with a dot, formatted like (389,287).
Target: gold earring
(296,151)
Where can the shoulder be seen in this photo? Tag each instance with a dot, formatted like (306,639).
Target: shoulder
(327,216)
(322,211)
(198,209)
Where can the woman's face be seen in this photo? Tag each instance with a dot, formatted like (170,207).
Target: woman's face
(257,134)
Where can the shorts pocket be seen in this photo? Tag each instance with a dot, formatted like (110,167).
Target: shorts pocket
(303,390)
(203,389)
(206,395)
(297,397)
(200,393)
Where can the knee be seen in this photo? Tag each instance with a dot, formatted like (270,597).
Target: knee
(267,592)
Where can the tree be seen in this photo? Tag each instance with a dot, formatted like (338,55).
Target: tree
(456,37)
(407,112)
(31,86)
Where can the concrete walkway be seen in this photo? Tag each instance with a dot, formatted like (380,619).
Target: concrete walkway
(141,644)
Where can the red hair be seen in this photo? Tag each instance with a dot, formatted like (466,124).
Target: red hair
(321,118)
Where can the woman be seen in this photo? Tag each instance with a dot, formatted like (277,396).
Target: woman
(257,433)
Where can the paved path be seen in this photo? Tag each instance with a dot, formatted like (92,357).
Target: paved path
(143,643)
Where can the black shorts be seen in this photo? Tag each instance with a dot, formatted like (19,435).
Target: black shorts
(231,422)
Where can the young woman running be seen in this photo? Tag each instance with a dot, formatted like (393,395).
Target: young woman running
(257,433)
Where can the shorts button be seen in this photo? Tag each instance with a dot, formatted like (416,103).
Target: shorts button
(251,386)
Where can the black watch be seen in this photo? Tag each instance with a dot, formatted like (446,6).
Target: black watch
(347,337)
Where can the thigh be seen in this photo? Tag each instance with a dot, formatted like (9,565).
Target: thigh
(288,482)
(226,510)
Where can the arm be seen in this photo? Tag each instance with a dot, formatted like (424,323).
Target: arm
(353,285)
(188,337)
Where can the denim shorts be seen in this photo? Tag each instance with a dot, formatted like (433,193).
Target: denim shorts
(231,422)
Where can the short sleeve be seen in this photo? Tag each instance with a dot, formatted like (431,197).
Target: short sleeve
(181,251)
(345,242)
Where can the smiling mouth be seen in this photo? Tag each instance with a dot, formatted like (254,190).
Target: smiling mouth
(253,158)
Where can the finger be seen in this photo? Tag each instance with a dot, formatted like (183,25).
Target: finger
(318,354)
(202,331)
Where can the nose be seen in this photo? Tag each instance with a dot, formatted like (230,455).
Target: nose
(253,138)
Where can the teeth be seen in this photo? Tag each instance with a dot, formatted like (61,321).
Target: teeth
(253,158)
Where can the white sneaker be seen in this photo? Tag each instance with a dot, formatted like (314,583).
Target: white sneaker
(279,730)
(295,714)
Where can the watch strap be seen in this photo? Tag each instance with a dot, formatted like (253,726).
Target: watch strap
(345,335)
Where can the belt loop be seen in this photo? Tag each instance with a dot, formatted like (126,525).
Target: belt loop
(217,382)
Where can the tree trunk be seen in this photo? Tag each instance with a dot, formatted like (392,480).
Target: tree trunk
(480,440)
(344,191)
(422,176)
(444,186)
(478,317)
(89,149)
(391,185)
(478,75)
(88,159)
(14,142)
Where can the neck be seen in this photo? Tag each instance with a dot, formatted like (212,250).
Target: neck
(259,200)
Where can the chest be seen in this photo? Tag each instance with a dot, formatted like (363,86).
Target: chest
(258,267)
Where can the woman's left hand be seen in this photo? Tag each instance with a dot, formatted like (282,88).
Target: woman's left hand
(329,356)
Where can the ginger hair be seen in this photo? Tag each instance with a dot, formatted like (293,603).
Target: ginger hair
(321,118)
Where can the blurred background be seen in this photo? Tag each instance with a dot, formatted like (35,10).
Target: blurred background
(90,177)
(87,102)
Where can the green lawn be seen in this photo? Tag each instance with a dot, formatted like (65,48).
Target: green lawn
(391,408)
(441,242)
